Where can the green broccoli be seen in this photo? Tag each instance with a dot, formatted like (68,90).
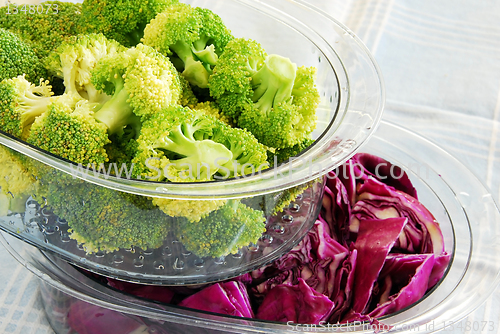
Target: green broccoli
(17,182)
(210,108)
(192,210)
(44,32)
(257,90)
(141,82)
(74,60)
(188,98)
(248,155)
(106,220)
(284,155)
(176,142)
(123,21)
(17,58)
(193,146)
(224,231)
(194,35)
(68,129)
(20,103)
(277,202)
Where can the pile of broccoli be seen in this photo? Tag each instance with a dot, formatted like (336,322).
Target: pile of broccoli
(163,87)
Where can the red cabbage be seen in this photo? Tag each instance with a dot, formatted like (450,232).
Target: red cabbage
(158,293)
(296,303)
(342,297)
(375,240)
(319,269)
(386,172)
(230,298)
(86,318)
(402,282)
(336,208)
(378,201)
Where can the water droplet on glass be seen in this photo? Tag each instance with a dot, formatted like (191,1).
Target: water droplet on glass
(138,263)
(65,237)
(294,207)
(118,258)
(130,250)
(199,263)
(167,251)
(32,204)
(147,251)
(253,248)
(287,219)
(178,264)
(159,265)
(100,254)
(50,229)
(278,229)
(220,260)
(267,239)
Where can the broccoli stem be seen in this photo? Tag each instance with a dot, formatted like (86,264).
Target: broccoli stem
(205,51)
(194,70)
(273,82)
(93,95)
(33,106)
(116,114)
(196,153)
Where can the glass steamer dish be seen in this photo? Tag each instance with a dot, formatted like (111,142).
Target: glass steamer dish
(352,99)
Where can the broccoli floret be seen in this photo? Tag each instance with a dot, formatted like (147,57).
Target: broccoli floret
(123,147)
(20,103)
(284,155)
(46,31)
(17,58)
(17,181)
(68,129)
(277,202)
(188,98)
(192,210)
(224,231)
(177,142)
(194,35)
(248,155)
(210,108)
(192,146)
(15,177)
(141,82)
(123,21)
(256,91)
(73,62)
(106,220)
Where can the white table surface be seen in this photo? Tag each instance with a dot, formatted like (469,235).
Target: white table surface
(441,64)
